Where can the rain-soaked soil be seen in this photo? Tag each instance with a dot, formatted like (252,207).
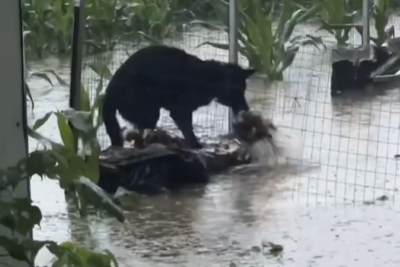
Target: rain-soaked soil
(327,216)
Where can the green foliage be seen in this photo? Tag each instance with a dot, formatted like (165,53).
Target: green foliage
(337,18)
(271,51)
(381,12)
(157,18)
(108,22)
(76,171)
(43,74)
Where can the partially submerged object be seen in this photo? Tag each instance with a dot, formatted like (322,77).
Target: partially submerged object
(354,68)
(259,137)
(155,160)
(158,161)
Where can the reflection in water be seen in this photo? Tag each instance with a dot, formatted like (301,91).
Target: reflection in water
(352,140)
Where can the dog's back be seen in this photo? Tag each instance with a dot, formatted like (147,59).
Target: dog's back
(169,72)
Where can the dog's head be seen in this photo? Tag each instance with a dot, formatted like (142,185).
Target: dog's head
(234,87)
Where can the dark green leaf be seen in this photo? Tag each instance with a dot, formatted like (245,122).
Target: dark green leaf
(216,45)
(94,195)
(21,216)
(32,247)
(101,69)
(59,79)
(66,133)
(39,123)
(85,100)
(81,120)
(40,138)
(43,76)
(14,249)
(38,162)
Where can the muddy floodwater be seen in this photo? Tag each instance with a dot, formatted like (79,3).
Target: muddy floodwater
(341,213)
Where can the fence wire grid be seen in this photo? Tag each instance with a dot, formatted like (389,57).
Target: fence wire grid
(354,139)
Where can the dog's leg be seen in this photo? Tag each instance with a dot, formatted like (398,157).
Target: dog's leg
(147,118)
(183,119)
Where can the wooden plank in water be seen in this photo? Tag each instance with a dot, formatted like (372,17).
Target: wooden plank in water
(393,60)
(387,78)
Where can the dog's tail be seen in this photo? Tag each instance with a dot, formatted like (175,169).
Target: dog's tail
(110,121)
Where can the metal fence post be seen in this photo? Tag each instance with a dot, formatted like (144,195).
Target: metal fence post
(233,41)
(365,23)
(13,117)
(78,36)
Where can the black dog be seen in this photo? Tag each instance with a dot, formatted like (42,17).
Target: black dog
(165,77)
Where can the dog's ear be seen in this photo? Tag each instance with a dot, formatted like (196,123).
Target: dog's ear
(249,72)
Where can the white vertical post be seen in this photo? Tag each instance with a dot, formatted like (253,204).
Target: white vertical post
(365,23)
(233,41)
(13,138)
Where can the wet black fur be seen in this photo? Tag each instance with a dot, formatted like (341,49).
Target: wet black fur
(165,77)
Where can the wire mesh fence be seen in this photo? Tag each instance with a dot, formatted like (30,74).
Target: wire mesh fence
(354,139)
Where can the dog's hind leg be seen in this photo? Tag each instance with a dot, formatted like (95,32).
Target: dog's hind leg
(183,119)
(113,128)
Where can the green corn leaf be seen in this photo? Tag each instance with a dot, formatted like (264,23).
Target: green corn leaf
(40,122)
(84,99)
(216,45)
(66,133)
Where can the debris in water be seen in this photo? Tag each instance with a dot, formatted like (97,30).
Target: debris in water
(369,202)
(252,127)
(382,198)
(259,136)
(235,242)
(271,248)
(243,253)
(372,202)
(169,254)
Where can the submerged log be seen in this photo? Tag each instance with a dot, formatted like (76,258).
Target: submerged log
(157,160)
(158,166)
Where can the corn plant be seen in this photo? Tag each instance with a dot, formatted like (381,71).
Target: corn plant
(155,20)
(62,21)
(381,12)
(270,51)
(20,215)
(37,16)
(76,172)
(77,168)
(106,23)
(42,74)
(337,18)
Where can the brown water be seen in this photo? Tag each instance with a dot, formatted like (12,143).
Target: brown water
(325,217)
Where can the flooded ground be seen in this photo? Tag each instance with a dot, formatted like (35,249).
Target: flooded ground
(325,217)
